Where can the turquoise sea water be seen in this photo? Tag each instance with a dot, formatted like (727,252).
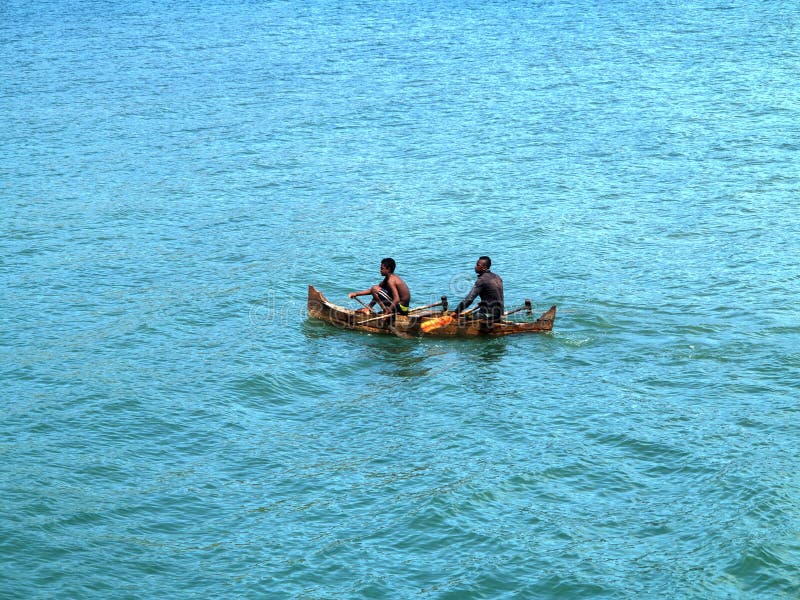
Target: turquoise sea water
(174,175)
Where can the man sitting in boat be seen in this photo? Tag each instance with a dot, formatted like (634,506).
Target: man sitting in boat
(391,294)
(489,287)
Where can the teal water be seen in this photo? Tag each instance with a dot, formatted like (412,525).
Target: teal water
(174,175)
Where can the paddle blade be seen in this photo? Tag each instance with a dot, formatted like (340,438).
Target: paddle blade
(432,324)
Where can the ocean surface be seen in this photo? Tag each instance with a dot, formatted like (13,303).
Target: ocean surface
(173,175)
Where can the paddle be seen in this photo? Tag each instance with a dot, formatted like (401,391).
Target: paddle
(426,306)
(378,318)
(442,302)
(362,303)
(392,328)
(418,308)
(383,316)
(526,307)
(365,305)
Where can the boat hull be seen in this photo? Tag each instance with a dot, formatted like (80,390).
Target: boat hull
(319,307)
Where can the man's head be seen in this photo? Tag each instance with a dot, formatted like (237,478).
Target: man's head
(484,264)
(388,266)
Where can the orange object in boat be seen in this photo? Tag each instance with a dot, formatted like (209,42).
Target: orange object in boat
(436,323)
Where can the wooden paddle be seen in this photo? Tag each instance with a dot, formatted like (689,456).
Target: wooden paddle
(442,302)
(365,305)
(426,306)
(378,318)
(392,328)
(362,303)
(526,307)
(418,308)
(383,316)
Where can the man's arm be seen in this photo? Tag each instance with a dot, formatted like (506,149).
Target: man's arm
(473,293)
(361,293)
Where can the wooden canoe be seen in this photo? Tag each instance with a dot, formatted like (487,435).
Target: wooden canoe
(319,307)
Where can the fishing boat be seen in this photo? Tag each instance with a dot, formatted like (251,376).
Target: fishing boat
(427,321)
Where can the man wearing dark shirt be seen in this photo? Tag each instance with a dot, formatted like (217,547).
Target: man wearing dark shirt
(489,287)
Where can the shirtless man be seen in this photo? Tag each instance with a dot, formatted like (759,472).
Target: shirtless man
(391,294)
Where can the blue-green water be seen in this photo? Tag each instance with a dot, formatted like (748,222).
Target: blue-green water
(174,175)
